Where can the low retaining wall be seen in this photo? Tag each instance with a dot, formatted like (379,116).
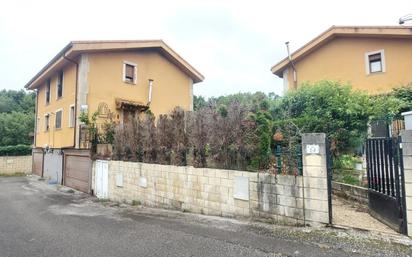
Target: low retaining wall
(218,192)
(356,193)
(10,165)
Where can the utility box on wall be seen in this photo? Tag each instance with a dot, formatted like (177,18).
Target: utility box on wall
(408,120)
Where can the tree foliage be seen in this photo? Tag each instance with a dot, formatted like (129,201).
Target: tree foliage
(16,117)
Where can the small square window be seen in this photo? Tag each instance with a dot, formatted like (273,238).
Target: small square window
(129,73)
(375,62)
(58,124)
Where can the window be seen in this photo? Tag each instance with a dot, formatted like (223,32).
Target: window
(46,122)
(60,85)
(58,124)
(375,62)
(48,91)
(71,116)
(129,73)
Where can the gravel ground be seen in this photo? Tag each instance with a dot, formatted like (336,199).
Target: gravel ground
(350,214)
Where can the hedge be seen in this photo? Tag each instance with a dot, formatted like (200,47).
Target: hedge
(15,150)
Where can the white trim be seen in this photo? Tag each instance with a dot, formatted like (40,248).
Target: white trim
(382,52)
(124,72)
(46,123)
(61,118)
(71,116)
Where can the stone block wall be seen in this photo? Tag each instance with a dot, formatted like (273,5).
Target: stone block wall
(351,192)
(198,190)
(281,198)
(10,165)
(407,163)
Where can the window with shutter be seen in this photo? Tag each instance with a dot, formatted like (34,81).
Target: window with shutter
(60,85)
(129,73)
(58,124)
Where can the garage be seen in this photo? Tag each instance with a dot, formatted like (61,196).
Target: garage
(77,169)
(37,168)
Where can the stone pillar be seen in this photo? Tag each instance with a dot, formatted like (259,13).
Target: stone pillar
(407,164)
(315,184)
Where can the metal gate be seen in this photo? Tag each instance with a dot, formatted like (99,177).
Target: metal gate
(386,181)
(102,179)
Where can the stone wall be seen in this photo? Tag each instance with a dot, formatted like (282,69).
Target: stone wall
(351,192)
(281,198)
(10,165)
(407,162)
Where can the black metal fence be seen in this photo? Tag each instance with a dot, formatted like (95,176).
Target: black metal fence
(288,159)
(386,181)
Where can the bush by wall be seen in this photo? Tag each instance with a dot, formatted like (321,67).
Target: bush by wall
(15,150)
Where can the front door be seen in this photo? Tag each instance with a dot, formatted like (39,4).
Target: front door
(128,116)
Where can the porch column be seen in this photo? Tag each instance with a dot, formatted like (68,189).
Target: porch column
(407,164)
(315,180)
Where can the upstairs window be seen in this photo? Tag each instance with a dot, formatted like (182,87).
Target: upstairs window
(60,85)
(46,122)
(47,92)
(129,72)
(375,62)
(58,122)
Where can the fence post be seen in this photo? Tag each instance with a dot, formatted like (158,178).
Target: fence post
(407,164)
(315,184)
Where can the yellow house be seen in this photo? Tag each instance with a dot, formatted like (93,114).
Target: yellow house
(371,58)
(120,78)
(117,78)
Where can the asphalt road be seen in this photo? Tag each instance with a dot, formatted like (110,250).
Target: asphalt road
(38,220)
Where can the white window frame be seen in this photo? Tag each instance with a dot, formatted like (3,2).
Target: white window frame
(124,72)
(47,124)
(57,85)
(367,65)
(61,119)
(71,116)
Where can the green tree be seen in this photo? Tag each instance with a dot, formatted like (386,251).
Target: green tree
(15,128)
(328,107)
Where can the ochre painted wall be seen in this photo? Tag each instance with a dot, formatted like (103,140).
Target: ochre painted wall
(171,87)
(56,138)
(343,59)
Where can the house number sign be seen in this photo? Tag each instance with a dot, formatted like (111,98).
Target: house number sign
(312,149)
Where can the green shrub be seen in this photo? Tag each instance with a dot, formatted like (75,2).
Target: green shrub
(351,180)
(345,162)
(15,150)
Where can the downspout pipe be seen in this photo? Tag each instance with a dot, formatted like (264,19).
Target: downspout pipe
(149,97)
(295,80)
(75,97)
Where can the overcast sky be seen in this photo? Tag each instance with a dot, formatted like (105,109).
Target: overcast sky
(232,43)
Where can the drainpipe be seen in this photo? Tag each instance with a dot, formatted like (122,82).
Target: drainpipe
(149,97)
(36,117)
(75,97)
(295,83)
